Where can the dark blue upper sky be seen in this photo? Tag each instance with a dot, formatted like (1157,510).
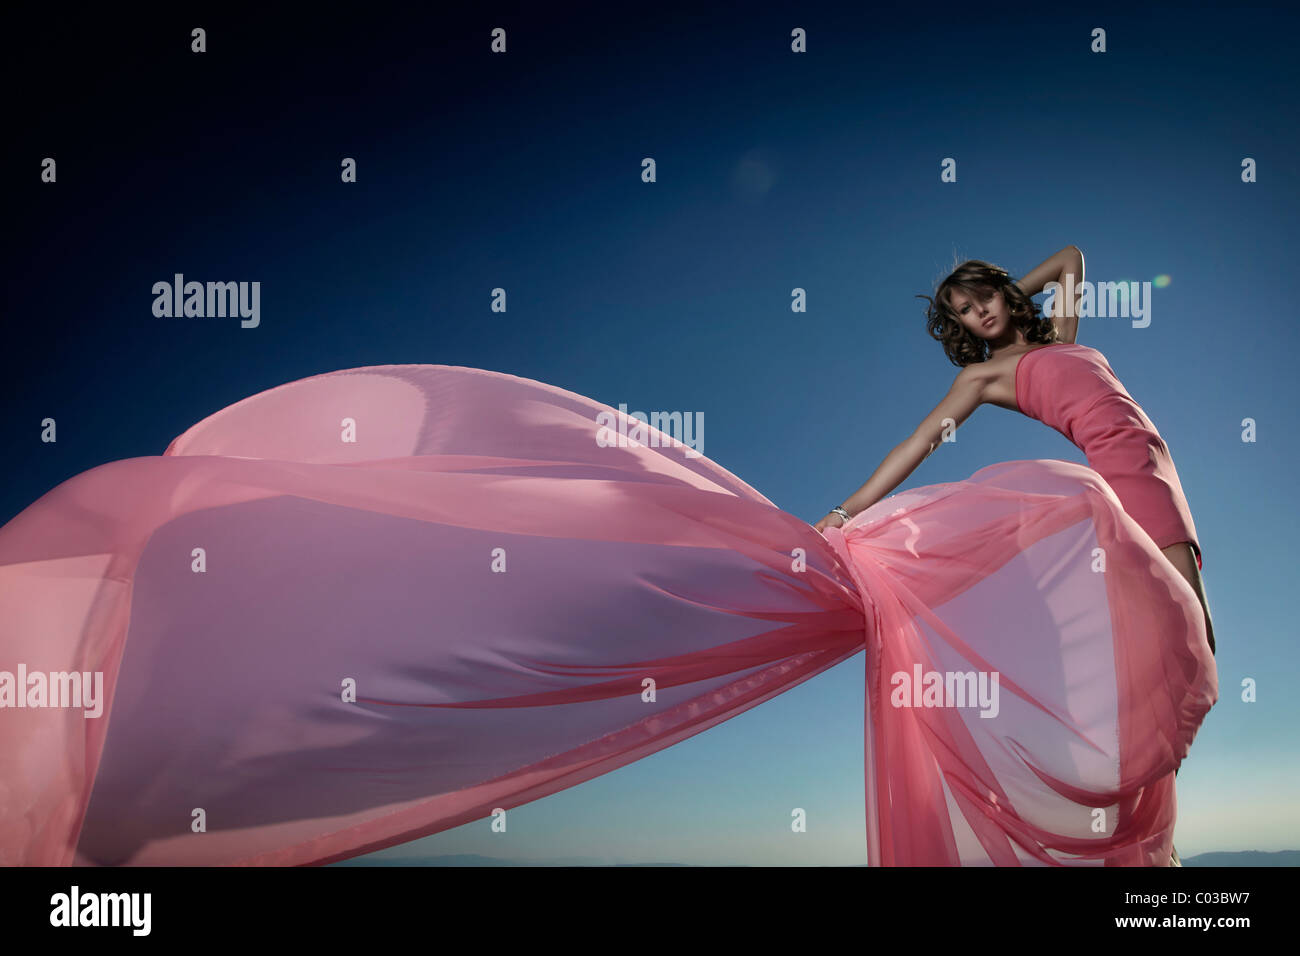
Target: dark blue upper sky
(775,171)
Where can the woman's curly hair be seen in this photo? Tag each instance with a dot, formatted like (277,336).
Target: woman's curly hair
(977,278)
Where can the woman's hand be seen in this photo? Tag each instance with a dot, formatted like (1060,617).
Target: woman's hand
(832,520)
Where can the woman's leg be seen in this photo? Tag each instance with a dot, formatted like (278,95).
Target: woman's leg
(1182,557)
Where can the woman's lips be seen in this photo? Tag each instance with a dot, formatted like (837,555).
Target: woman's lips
(987,322)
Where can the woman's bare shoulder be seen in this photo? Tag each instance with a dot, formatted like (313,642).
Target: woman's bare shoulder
(988,370)
(993,379)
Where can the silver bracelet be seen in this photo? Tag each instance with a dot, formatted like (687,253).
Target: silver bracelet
(842,513)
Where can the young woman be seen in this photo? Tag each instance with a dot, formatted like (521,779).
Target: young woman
(988,324)
(1015,358)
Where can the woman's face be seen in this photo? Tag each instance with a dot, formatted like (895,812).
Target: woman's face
(985,313)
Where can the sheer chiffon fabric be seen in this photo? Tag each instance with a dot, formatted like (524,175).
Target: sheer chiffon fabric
(521,607)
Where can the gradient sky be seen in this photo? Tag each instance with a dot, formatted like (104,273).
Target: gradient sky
(775,171)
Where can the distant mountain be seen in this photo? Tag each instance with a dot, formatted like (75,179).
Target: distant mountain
(1244,858)
(474,859)
(1224,858)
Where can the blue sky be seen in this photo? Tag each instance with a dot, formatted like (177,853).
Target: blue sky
(775,171)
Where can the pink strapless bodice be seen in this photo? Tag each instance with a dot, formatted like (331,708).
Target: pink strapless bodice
(1073,389)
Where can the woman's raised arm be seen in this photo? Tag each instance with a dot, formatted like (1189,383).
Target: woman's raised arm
(965,395)
(1067,262)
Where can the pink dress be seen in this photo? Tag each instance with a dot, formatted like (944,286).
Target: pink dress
(375,604)
(1071,388)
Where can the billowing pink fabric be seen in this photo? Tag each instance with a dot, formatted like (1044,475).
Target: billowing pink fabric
(372,560)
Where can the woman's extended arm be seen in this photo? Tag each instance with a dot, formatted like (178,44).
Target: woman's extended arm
(963,398)
(1069,261)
